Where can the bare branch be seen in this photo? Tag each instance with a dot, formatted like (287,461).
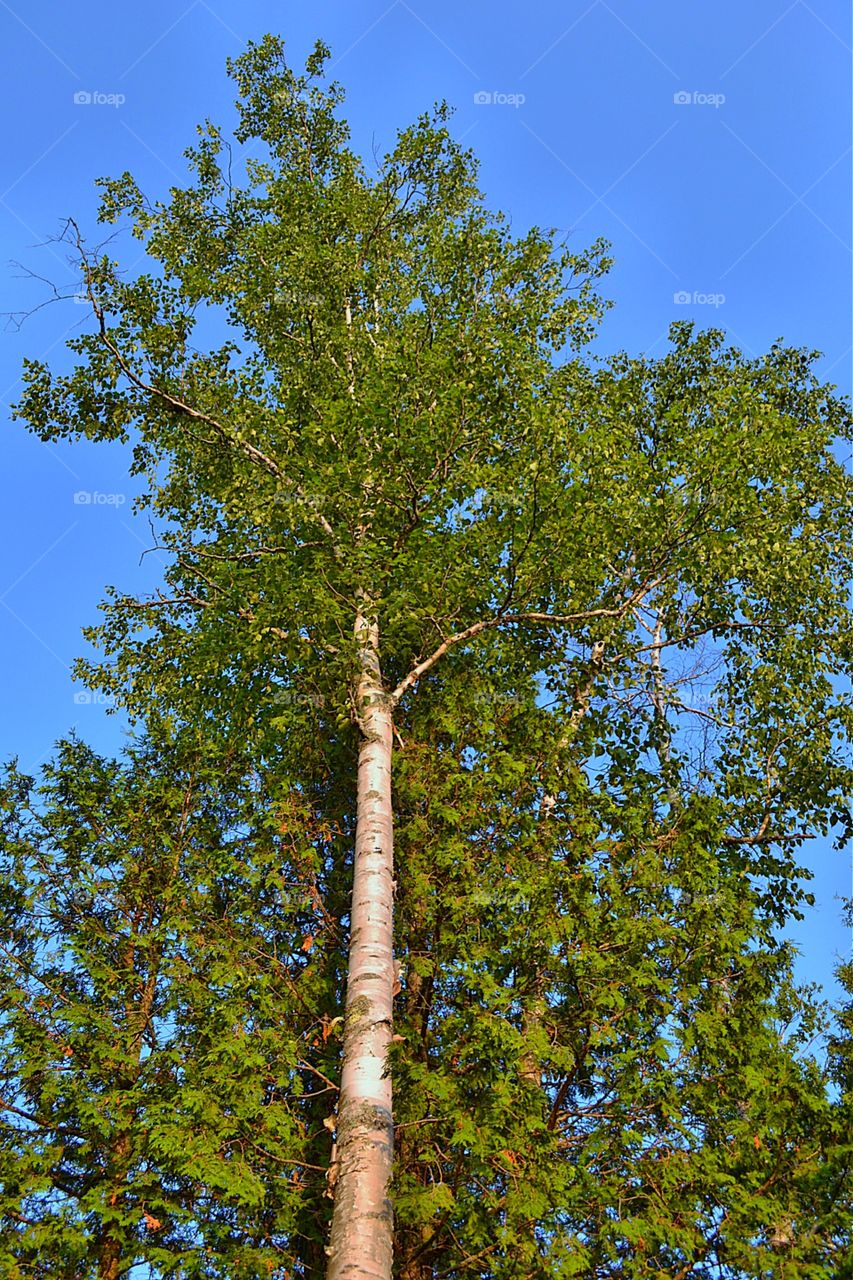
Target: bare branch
(501,619)
(770,838)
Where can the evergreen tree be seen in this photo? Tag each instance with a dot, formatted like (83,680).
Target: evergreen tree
(161,1049)
(606,1068)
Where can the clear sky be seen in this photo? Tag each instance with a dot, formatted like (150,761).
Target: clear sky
(710,143)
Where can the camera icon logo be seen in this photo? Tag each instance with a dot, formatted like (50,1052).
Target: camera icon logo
(83,697)
(82,497)
(82,98)
(483,98)
(682,297)
(682,98)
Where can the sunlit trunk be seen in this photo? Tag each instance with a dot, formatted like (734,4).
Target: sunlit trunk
(361,1241)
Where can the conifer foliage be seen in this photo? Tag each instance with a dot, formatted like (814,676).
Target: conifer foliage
(160,1065)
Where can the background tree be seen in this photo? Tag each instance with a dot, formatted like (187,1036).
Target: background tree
(397,464)
(162,1022)
(606,1067)
(602,1063)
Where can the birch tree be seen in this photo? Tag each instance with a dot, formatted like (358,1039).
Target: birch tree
(376,451)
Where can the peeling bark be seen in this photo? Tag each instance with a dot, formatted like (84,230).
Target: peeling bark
(361,1242)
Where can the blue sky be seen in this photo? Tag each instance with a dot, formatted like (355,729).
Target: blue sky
(709,143)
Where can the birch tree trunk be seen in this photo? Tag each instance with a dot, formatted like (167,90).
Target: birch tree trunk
(361,1243)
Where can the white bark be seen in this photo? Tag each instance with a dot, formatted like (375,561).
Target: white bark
(361,1242)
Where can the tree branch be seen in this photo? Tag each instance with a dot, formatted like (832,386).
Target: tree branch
(250,451)
(537,619)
